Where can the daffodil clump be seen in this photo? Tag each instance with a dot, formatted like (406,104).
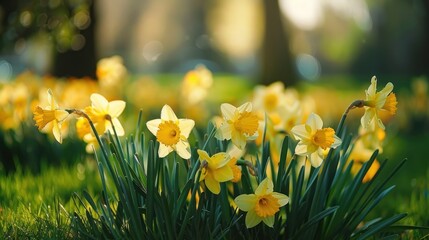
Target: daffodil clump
(185,183)
(269,167)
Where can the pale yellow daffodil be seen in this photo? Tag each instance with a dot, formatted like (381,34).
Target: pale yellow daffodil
(171,133)
(262,205)
(50,117)
(314,140)
(377,101)
(104,113)
(196,84)
(239,124)
(215,169)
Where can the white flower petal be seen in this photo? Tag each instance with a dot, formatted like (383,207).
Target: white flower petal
(164,150)
(246,107)
(301,149)
(186,126)
(300,132)
(314,121)
(118,127)
(116,108)
(168,114)
(152,125)
(228,111)
(315,159)
(183,149)
(99,102)
(56,130)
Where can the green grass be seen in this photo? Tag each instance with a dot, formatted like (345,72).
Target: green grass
(38,206)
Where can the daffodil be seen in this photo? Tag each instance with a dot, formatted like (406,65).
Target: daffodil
(104,113)
(195,85)
(239,124)
(50,116)
(314,140)
(171,133)
(377,101)
(269,98)
(215,169)
(262,205)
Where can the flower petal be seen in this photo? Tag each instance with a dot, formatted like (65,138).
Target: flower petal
(203,155)
(212,184)
(183,149)
(252,219)
(315,159)
(219,160)
(246,202)
(265,187)
(367,117)
(224,132)
(314,121)
(99,102)
(116,108)
(228,111)
(300,132)
(57,131)
(118,127)
(283,199)
(152,125)
(164,150)
(186,126)
(223,174)
(167,113)
(60,115)
(337,142)
(269,221)
(301,149)
(246,107)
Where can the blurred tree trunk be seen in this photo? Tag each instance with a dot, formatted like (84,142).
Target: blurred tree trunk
(277,60)
(80,63)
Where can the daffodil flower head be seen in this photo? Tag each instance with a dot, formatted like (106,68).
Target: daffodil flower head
(214,170)
(314,140)
(239,124)
(50,116)
(171,133)
(376,101)
(262,205)
(104,113)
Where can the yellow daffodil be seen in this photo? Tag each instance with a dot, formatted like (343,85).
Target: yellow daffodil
(111,74)
(314,140)
(269,98)
(195,85)
(104,113)
(50,115)
(239,124)
(215,169)
(262,205)
(172,133)
(377,101)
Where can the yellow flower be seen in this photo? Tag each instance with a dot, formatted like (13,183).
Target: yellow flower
(269,98)
(172,133)
(263,205)
(313,139)
(103,113)
(214,170)
(239,124)
(196,84)
(111,72)
(376,101)
(50,115)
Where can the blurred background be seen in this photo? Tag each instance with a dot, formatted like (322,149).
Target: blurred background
(266,40)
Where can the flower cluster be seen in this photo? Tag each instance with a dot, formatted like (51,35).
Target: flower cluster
(273,111)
